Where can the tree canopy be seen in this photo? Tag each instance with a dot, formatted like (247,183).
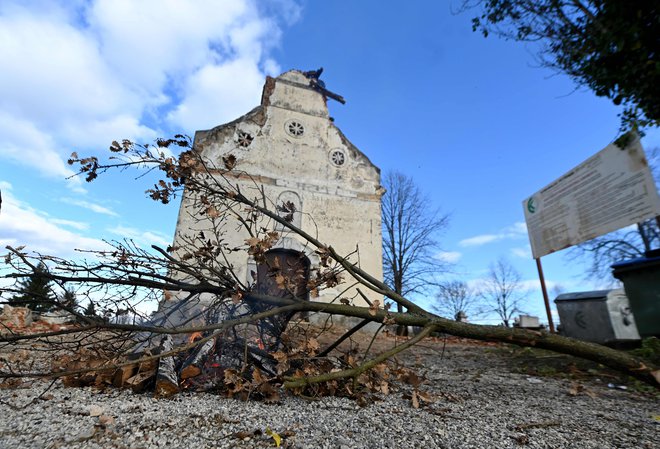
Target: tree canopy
(35,291)
(610,46)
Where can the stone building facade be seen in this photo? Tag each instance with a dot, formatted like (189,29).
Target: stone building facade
(289,147)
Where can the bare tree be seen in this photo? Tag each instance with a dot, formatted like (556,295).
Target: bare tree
(212,330)
(454,297)
(501,290)
(410,231)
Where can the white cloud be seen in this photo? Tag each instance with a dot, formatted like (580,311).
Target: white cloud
(218,93)
(70,223)
(515,231)
(90,206)
(81,73)
(479,240)
(145,238)
(97,133)
(23,225)
(26,144)
(534,285)
(85,73)
(56,73)
(524,252)
(145,42)
(448,256)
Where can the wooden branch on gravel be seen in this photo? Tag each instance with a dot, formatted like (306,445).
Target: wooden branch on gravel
(191,367)
(167,382)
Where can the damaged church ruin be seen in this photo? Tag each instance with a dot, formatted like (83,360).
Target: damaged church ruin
(288,150)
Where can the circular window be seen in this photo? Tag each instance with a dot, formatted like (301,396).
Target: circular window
(338,157)
(294,128)
(244,139)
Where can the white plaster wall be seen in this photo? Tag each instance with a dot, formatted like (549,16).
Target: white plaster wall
(340,205)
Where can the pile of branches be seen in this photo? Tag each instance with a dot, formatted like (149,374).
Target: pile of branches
(211,323)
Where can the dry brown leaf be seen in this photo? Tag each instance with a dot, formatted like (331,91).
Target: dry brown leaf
(252,241)
(280,356)
(384,387)
(410,378)
(577,389)
(271,395)
(426,397)
(313,345)
(592,394)
(373,308)
(106,420)
(242,435)
(280,281)
(415,400)
(236,297)
(257,376)
(388,320)
(212,212)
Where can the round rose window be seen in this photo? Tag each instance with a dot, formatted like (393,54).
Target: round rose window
(294,128)
(338,157)
(244,139)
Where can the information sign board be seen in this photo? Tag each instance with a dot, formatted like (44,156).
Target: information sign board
(609,191)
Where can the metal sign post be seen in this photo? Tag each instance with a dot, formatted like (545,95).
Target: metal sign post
(551,325)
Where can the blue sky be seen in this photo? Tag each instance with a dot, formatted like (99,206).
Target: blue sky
(474,121)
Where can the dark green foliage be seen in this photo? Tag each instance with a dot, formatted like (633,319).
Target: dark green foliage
(610,46)
(69,299)
(650,350)
(90,310)
(36,292)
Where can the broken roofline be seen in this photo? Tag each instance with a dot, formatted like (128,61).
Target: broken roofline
(258,116)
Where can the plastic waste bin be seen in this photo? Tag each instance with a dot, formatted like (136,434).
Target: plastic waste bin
(641,281)
(601,316)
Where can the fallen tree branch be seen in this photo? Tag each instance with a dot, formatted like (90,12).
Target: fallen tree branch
(293,382)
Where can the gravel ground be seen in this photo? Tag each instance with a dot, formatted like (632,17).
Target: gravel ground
(478,403)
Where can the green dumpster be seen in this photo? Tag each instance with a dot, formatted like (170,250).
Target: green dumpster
(641,281)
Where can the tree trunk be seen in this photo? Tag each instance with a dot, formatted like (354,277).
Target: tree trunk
(618,360)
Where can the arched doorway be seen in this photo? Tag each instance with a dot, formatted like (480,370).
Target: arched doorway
(284,273)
